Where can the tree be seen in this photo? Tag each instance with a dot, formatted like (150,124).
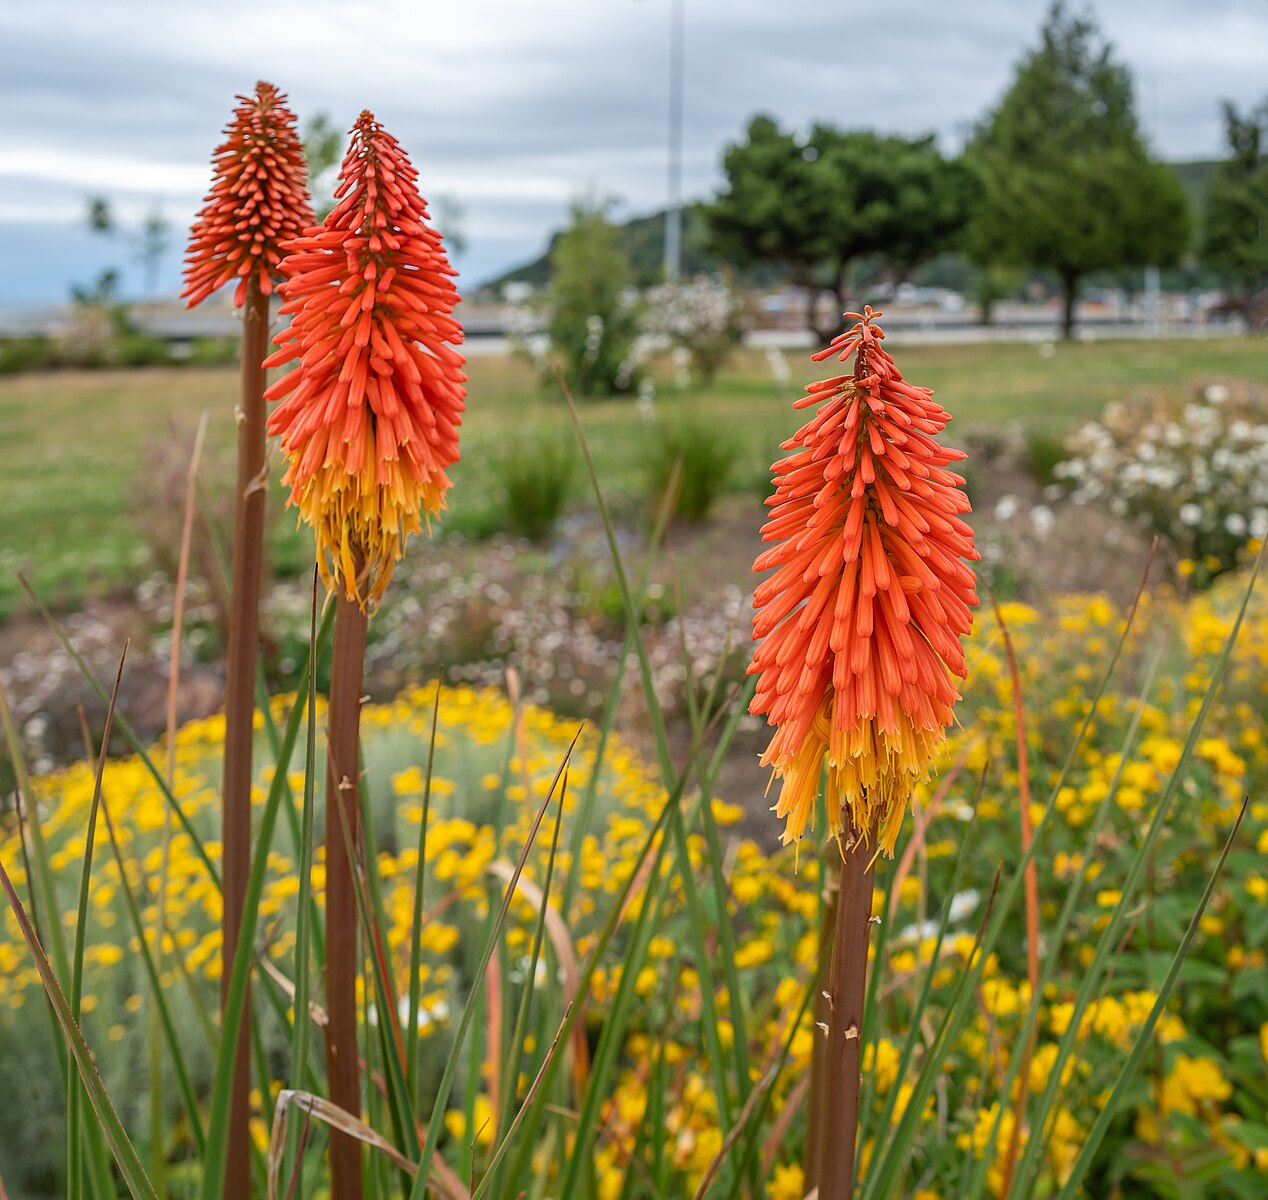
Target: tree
(1235,237)
(817,205)
(323,150)
(593,323)
(149,242)
(1068,184)
(152,242)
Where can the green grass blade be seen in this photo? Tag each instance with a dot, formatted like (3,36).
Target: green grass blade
(1112,933)
(704,964)
(880,1179)
(1110,1107)
(305,930)
(585,809)
(121,1147)
(610,1039)
(696,925)
(39,878)
(746,1156)
(451,1064)
(978,1174)
(293,818)
(530,1111)
(128,733)
(192,1112)
(416,945)
(926,990)
(74,1160)
(520,1027)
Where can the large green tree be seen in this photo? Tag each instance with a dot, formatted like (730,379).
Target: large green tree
(1068,183)
(816,205)
(1235,236)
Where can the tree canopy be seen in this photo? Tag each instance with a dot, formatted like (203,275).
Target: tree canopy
(1068,183)
(817,204)
(1235,237)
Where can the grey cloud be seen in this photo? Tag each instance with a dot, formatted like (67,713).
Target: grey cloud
(513,108)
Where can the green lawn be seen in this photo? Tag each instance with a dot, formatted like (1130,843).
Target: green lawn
(84,448)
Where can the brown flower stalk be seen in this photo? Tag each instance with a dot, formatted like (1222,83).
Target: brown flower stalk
(258,200)
(369,424)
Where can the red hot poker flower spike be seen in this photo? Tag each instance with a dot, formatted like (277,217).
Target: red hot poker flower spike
(860,625)
(369,418)
(258,199)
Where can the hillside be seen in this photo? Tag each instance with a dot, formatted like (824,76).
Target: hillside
(643,240)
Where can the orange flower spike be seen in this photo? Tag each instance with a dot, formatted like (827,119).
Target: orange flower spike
(258,200)
(369,417)
(859,626)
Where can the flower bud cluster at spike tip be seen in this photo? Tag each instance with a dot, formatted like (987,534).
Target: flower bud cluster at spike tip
(369,417)
(859,626)
(258,200)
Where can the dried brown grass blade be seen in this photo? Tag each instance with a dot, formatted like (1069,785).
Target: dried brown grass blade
(565,952)
(316,1013)
(340,1119)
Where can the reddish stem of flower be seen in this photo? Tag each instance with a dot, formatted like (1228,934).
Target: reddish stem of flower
(343,826)
(847,989)
(818,1057)
(243,650)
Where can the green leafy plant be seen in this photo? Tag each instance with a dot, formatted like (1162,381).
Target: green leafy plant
(688,461)
(593,319)
(534,478)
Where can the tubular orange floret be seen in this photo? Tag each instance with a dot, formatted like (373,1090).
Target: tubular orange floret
(258,200)
(860,624)
(369,417)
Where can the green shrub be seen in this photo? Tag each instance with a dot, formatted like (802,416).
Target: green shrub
(534,479)
(212,352)
(1043,453)
(695,458)
(138,350)
(26,354)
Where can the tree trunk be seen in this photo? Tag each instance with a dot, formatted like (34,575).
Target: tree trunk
(824,332)
(1070,295)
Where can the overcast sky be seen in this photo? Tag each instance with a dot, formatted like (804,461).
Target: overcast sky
(512,107)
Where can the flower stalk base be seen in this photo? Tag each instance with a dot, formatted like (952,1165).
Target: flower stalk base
(837,1136)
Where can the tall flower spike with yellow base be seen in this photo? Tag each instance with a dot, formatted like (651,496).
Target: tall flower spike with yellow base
(860,625)
(369,418)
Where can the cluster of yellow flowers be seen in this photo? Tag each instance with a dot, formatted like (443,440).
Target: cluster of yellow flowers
(493,765)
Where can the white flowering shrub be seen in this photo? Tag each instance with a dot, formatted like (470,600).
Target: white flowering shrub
(700,319)
(1196,475)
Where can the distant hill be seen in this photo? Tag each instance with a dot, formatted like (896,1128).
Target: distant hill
(643,240)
